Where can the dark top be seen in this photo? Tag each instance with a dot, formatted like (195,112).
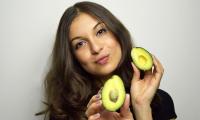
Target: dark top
(165,109)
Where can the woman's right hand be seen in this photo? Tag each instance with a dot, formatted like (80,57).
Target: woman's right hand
(95,110)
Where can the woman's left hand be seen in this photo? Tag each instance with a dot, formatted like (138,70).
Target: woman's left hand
(95,110)
(143,90)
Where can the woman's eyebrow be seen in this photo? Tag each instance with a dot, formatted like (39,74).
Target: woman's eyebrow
(97,25)
(78,37)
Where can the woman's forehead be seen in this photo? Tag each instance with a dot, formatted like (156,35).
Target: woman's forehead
(82,24)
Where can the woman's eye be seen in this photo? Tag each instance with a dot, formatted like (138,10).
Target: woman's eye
(80,44)
(101,31)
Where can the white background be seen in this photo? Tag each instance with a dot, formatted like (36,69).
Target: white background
(169,29)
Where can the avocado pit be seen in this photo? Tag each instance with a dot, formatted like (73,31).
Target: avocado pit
(142,60)
(114,94)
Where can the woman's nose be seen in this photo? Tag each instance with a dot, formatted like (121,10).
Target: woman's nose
(96,46)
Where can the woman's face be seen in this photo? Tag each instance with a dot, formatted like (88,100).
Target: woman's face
(95,47)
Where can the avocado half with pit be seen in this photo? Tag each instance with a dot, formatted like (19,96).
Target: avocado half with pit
(142,59)
(113,93)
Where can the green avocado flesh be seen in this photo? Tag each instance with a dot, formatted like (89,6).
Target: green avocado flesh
(141,58)
(113,93)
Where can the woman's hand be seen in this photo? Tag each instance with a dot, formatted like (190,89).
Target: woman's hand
(143,90)
(95,110)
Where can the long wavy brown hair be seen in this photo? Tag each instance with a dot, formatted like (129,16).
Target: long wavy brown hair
(68,86)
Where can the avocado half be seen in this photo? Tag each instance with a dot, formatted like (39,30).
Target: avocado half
(142,58)
(113,93)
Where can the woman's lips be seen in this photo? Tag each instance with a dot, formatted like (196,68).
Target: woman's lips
(102,60)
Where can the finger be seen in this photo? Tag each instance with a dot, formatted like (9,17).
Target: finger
(94,108)
(94,99)
(94,117)
(158,70)
(136,73)
(125,110)
(158,66)
(148,75)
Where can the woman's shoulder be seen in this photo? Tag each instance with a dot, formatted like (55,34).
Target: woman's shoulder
(166,105)
(165,96)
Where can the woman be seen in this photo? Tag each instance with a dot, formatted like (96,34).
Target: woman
(91,45)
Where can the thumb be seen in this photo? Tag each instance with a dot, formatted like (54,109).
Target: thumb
(136,73)
(125,110)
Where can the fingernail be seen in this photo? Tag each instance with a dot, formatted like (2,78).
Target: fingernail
(133,65)
(98,96)
(99,92)
(128,95)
